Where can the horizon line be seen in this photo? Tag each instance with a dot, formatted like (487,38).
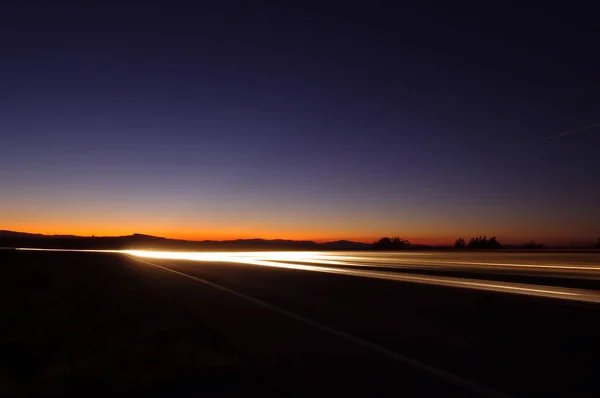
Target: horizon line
(565,242)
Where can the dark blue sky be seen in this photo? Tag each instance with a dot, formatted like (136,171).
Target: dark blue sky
(328,121)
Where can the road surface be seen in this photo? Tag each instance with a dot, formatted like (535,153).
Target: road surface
(313,324)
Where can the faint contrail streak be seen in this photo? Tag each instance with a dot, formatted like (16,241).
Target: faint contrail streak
(589,126)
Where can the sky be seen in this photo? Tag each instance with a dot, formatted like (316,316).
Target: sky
(323,121)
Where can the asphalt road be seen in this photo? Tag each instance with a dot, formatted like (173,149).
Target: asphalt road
(572,276)
(304,331)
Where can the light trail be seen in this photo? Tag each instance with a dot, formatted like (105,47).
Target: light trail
(270,260)
(348,259)
(330,262)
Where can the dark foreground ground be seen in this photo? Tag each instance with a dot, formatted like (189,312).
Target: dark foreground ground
(93,324)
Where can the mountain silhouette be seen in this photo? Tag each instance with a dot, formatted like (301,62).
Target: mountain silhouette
(143,241)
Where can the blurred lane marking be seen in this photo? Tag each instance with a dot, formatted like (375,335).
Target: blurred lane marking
(440,373)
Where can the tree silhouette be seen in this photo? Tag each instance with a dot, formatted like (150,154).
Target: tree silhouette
(484,243)
(460,243)
(394,243)
(494,244)
(397,241)
(383,243)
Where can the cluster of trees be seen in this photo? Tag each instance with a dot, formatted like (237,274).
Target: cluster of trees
(481,242)
(393,243)
(492,243)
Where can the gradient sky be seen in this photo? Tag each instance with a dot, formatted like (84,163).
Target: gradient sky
(224,120)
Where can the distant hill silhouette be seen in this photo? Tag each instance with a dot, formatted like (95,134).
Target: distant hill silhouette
(12,234)
(345,245)
(142,241)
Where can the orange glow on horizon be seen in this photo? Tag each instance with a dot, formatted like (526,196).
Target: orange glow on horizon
(122,223)
(224,234)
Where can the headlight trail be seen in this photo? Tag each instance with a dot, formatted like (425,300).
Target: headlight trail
(295,260)
(353,263)
(348,259)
